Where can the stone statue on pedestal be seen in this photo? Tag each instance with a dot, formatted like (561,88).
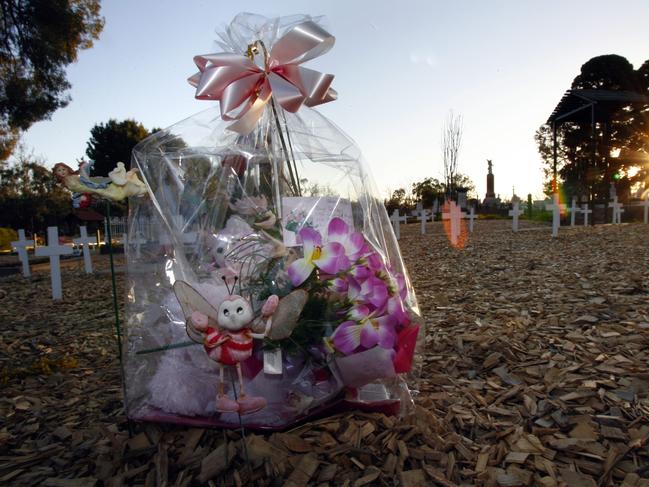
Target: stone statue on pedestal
(490,198)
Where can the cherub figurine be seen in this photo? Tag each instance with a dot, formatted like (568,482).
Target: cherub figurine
(227,337)
(118,186)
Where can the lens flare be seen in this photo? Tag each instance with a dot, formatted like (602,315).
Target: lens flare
(563,200)
(455,227)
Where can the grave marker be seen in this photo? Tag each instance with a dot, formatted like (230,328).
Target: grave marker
(472,216)
(188,237)
(21,247)
(515,212)
(645,204)
(586,212)
(556,208)
(573,211)
(396,220)
(423,217)
(138,241)
(618,209)
(54,250)
(455,215)
(84,240)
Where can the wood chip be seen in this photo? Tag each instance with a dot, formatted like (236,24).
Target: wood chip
(544,381)
(303,471)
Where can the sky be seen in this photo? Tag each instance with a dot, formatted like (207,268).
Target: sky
(400,68)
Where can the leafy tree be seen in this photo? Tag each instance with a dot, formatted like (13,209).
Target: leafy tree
(620,147)
(463,182)
(431,189)
(113,142)
(427,191)
(608,72)
(38,39)
(399,200)
(29,195)
(643,77)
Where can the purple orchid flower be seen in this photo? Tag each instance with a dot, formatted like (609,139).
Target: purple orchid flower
(354,242)
(374,291)
(396,309)
(364,329)
(330,258)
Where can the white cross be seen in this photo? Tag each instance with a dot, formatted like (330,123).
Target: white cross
(472,216)
(138,240)
(556,209)
(573,211)
(617,211)
(105,231)
(455,214)
(586,212)
(396,220)
(54,250)
(515,212)
(645,203)
(21,247)
(179,223)
(84,240)
(423,217)
(417,209)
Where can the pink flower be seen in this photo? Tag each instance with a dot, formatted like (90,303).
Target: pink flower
(354,243)
(374,291)
(360,272)
(364,329)
(396,308)
(374,262)
(330,258)
(339,285)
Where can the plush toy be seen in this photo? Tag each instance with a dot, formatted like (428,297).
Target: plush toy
(227,337)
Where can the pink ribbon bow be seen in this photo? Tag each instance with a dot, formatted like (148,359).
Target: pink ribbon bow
(244,89)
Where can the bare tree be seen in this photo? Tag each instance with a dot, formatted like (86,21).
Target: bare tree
(451,142)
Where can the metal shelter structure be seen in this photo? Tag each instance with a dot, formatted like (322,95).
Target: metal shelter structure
(589,106)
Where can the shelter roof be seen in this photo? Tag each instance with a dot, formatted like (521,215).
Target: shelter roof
(574,105)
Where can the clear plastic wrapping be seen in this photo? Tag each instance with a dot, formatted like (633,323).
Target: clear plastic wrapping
(265,284)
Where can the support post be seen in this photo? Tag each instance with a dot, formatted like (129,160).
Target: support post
(554,157)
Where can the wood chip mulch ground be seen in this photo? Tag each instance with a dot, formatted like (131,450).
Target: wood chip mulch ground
(535,371)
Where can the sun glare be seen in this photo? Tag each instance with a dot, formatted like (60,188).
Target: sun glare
(632,171)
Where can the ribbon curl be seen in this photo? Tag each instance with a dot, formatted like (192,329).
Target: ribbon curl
(244,89)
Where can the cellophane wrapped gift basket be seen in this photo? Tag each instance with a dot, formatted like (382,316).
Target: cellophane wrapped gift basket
(265,284)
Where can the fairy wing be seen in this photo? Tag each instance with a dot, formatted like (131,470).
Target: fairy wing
(191,300)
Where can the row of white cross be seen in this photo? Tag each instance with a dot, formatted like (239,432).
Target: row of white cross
(54,250)
(616,217)
(455,214)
